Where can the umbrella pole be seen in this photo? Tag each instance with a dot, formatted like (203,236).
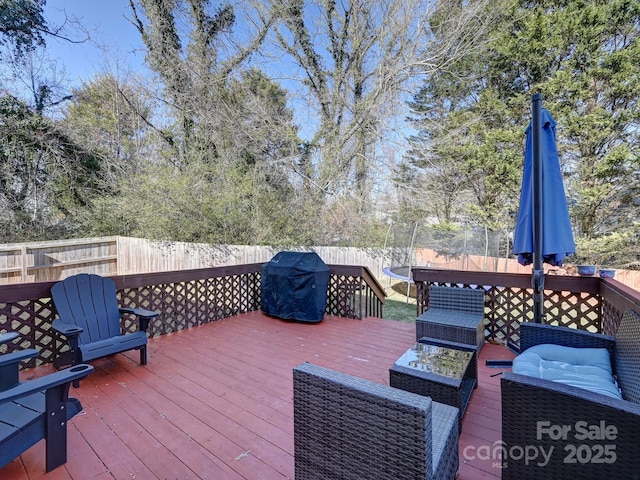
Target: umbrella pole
(537,279)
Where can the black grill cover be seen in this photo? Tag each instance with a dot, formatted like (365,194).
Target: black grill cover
(294,286)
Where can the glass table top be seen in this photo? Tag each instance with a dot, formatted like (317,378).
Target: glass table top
(447,362)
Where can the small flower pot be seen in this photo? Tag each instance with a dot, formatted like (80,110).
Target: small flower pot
(586,270)
(606,272)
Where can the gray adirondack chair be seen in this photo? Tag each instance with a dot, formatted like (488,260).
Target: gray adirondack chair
(30,411)
(89,318)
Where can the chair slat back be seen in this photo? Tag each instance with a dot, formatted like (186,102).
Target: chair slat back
(90,302)
(627,356)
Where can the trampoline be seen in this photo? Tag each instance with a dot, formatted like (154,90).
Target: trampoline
(399,273)
(465,248)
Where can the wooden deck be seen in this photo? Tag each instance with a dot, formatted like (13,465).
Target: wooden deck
(215,401)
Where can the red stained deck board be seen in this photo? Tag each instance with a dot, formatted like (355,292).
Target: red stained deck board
(162,408)
(481,427)
(213,420)
(215,401)
(129,424)
(105,448)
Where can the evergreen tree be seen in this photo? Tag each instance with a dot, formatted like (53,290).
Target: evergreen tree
(583,56)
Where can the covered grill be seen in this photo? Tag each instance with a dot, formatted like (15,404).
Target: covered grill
(294,286)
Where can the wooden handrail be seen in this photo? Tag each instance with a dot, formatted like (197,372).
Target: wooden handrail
(37,290)
(363,272)
(520,280)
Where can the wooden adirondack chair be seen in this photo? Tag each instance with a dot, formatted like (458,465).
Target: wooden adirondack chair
(30,411)
(89,318)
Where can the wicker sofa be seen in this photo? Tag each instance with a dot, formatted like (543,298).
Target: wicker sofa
(556,431)
(349,428)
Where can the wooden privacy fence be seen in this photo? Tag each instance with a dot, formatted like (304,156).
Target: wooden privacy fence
(184,299)
(110,256)
(54,260)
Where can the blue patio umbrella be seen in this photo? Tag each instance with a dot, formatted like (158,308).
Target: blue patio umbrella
(543,231)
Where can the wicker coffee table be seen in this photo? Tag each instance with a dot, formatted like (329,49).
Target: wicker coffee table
(445,371)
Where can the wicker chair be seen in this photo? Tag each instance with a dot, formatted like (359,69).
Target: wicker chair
(455,315)
(585,435)
(349,428)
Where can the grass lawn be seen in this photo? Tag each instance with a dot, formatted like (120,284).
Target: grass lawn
(397,308)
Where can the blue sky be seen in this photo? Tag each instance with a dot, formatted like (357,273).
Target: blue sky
(114,40)
(116,46)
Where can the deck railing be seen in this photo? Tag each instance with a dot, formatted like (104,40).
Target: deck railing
(184,298)
(188,298)
(588,303)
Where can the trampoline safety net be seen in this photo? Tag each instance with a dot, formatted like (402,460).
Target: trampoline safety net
(465,248)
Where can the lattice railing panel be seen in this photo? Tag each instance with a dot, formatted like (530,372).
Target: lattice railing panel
(150,298)
(189,298)
(32,320)
(507,307)
(570,309)
(181,304)
(345,296)
(504,309)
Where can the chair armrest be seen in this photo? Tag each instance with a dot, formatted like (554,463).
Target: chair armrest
(18,356)
(7,337)
(66,329)
(143,315)
(9,367)
(536,333)
(140,312)
(41,384)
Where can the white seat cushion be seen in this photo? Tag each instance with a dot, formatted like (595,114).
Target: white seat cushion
(588,368)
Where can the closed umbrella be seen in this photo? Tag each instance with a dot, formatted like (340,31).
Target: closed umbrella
(543,230)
